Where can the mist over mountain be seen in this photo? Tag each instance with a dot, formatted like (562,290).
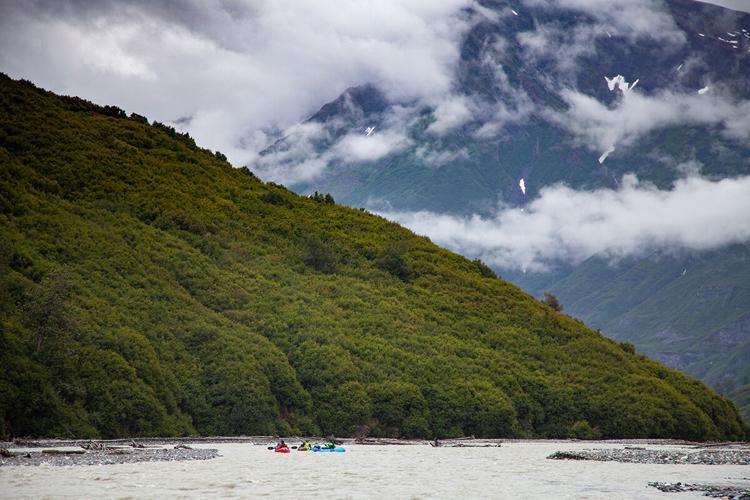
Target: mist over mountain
(601,154)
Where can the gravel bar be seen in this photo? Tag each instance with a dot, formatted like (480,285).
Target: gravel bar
(107,456)
(708,490)
(147,441)
(646,456)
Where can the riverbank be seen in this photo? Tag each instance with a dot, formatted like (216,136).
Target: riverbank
(734,454)
(266,440)
(102,455)
(708,490)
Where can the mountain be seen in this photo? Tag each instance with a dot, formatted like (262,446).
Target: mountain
(552,95)
(150,288)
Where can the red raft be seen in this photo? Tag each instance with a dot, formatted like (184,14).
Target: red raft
(283,449)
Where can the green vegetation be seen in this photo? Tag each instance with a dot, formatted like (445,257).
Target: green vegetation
(149,288)
(742,396)
(552,301)
(688,309)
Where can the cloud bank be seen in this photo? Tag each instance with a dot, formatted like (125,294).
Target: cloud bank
(311,148)
(239,70)
(602,127)
(563,224)
(633,20)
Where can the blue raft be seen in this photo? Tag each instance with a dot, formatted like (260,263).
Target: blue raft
(338,449)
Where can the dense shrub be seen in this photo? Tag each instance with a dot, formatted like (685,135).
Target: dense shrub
(147,287)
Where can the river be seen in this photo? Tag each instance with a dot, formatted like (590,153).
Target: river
(518,469)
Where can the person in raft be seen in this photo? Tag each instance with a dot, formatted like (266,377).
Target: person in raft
(331,444)
(306,446)
(281,444)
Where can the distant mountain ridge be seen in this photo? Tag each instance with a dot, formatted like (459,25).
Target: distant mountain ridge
(466,171)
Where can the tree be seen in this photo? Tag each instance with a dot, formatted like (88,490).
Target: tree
(320,255)
(552,301)
(275,197)
(343,408)
(400,409)
(323,198)
(392,260)
(48,311)
(628,347)
(484,269)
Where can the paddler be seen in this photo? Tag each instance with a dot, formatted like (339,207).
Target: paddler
(281,444)
(331,444)
(306,446)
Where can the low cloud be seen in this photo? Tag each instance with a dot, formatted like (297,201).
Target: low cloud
(562,45)
(298,159)
(451,113)
(563,224)
(500,115)
(513,105)
(440,157)
(357,148)
(633,20)
(310,149)
(601,127)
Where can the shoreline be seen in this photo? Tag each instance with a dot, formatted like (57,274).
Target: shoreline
(68,452)
(106,456)
(266,440)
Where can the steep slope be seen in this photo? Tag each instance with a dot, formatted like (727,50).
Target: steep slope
(689,311)
(150,288)
(473,167)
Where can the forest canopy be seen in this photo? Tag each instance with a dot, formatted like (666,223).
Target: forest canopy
(149,288)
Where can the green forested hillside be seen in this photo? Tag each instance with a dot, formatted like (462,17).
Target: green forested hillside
(687,310)
(149,288)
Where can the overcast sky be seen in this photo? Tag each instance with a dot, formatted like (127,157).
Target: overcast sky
(237,73)
(237,69)
(741,5)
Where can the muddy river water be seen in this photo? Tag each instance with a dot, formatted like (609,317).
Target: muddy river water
(517,469)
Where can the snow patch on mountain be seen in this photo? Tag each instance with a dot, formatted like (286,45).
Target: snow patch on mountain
(606,153)
(620,83)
